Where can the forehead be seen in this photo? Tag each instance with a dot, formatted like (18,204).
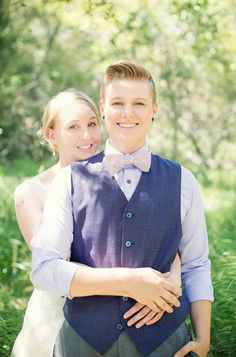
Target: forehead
(73,109)
(126,88)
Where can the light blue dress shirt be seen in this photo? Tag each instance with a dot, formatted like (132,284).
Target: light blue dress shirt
(51,245)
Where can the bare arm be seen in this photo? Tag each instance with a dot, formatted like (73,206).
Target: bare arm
(144,285)
(51,271)
(201,322)
(28,207)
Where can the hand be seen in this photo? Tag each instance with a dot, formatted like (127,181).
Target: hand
(173,278)
(143,315)
(150,288)
(198,347)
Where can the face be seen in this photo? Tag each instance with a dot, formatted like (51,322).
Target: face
(76,133)
(128,109)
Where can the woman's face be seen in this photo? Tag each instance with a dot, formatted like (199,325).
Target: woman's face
(76,134)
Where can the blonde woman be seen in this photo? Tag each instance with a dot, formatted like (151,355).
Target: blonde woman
(70,126)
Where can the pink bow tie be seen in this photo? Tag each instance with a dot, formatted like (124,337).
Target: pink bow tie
(116,162)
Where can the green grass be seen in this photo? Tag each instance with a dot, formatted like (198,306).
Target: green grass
(15,287)
(221,217)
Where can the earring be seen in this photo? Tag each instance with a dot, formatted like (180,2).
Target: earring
(103,117)
(153,118)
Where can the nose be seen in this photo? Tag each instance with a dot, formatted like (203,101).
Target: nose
(85,134)
(128,110)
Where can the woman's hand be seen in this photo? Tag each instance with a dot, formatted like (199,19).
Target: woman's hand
(149,287)
(140,314)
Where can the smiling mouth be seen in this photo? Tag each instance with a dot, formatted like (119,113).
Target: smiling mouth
(125,125)
(84,147)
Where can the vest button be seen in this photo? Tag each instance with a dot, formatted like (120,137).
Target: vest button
(128,243)
(119,327)
(125,298)
(129,215)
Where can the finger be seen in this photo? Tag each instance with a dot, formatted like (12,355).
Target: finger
(153,306)
(170,298)
(156,318)
(171,288)
(162,304)
(138,306)
(138,316)
(146,319)
(185,350)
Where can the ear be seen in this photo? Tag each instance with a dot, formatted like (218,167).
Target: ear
(155,108)
(101,107)
(51,135)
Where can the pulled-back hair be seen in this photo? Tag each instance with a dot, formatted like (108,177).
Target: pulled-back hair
(126,69)
(53,107)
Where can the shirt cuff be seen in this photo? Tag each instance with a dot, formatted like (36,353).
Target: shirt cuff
(55,276)
(198,286)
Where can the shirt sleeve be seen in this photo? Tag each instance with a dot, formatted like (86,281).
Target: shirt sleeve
(193,249)
(51,244)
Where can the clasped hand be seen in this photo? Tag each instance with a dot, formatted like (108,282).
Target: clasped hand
(155,294)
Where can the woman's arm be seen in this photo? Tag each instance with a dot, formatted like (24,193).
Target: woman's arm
(51,247)
(28,207)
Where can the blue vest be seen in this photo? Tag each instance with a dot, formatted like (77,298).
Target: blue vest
(110,231)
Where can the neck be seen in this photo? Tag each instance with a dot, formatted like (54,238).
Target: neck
(126,149)
(62,163)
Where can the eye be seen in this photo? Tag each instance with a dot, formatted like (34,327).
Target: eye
(92,125)
(139,103)
(73,127)
(117,103)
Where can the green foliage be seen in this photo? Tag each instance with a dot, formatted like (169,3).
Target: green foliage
(189,46)
(221,215)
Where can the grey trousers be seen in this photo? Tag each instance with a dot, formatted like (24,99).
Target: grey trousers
(70,344)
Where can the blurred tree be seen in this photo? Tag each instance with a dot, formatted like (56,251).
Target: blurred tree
(189,46)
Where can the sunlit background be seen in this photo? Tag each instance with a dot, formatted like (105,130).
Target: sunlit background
(190,48)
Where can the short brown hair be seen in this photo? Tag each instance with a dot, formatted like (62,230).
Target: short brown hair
(126,69)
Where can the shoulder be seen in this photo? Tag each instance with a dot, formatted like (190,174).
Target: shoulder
(92,160)
(164,161)
(166,166)
(89,164)
(188,179)
(189,187)
(22,191)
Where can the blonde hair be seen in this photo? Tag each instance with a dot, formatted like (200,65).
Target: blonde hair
(52,109)
(126,69)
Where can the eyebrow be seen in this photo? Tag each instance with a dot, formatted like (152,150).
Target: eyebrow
(91,118)
(115,98)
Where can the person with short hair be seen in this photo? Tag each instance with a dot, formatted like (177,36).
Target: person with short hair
(125,214)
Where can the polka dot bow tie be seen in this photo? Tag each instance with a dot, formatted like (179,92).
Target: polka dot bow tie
(116,162)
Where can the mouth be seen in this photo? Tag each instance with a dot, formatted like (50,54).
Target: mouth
(84,147)
(126,125)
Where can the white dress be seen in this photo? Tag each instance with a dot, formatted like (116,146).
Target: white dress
(43,317)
